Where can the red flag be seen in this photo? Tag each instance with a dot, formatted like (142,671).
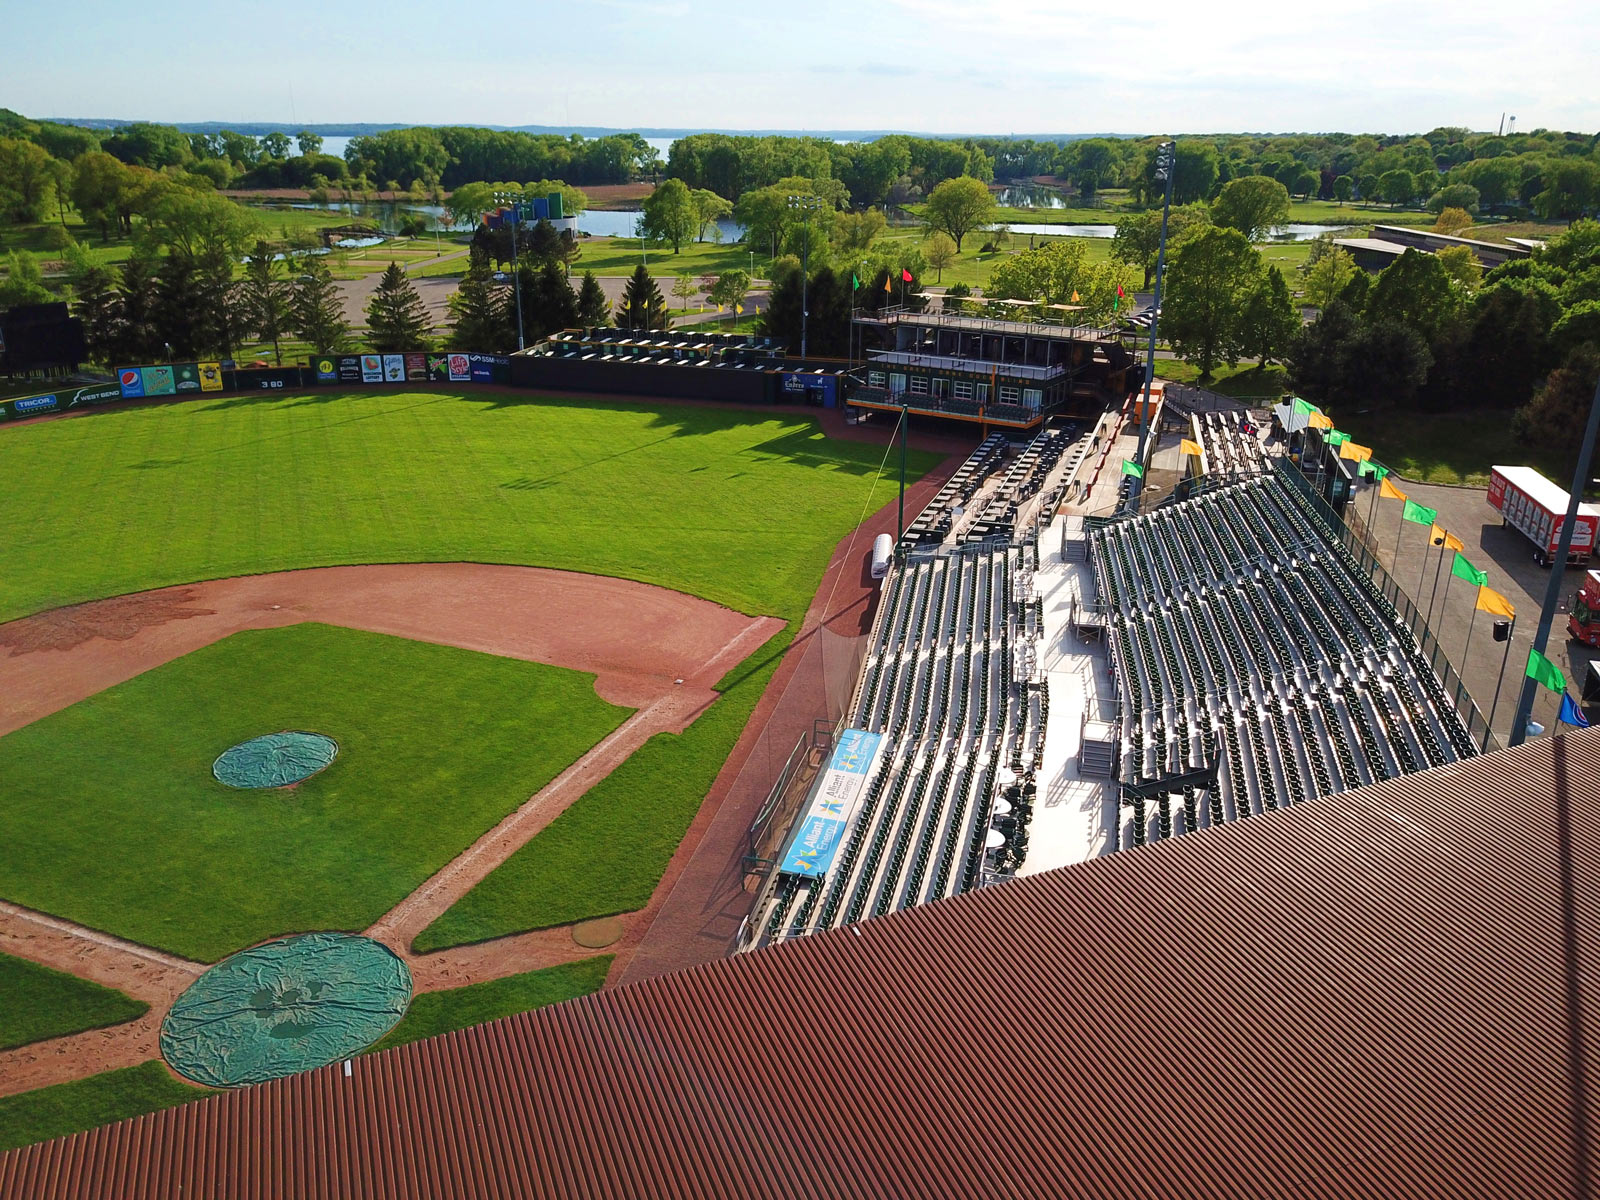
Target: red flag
(905,275)
(1121,295)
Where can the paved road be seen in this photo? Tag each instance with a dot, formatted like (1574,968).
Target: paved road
(1508,558)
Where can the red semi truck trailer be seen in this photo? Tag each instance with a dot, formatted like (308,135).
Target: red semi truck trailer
(1536,508)
(1584,623)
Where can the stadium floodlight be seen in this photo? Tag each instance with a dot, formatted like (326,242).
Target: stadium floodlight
(1166,168)
(511,199)
(805,205)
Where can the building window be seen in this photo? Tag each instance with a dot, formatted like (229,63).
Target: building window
(897,384)
(876,379)
(963,389)
(919,385)
(941,388)
(983,393)
(1032,397)
(1008,395)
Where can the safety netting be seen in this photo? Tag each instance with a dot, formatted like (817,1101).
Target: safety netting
(285,1006)
(274,759)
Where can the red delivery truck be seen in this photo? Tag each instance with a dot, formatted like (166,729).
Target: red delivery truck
(1535,507)
(1584,623)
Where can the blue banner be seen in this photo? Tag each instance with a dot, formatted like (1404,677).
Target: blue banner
(132,382)
(833,805)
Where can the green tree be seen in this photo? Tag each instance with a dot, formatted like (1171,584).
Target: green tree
(1328,275)
(1462,265)
(1572,188)
(1138,237)
(1056,272)
(138,339)
(1212,274)
(397,319)
(685,288)
(99,307)
(1397,187)
(594,309)
(854,233)
(1252,204)
(642,307)
(275,144)
(481,318)
(709,208)
(729,290)
(310,144)
(550,303)
(670,214)
(1454,195)
(23,282)
(1193,177)
(1343,188)
(958,206)
(1416,291)
(318,309)
(1270,320)
(197,223)
(1554,419)
(99,184)
(940,252)
(264,299)
(27,180)
(179,308)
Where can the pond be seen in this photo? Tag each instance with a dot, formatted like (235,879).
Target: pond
(387,215)
(1029,195)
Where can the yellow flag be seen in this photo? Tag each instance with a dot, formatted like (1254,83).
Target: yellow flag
(1352,451)
(738,308)
(1319,420)
(1443,537)
(1389,492)
(1491,601)
(1074,297)
(1188,447)
(886,283)
(719,308)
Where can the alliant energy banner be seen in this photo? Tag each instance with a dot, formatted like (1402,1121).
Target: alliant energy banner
(833,805)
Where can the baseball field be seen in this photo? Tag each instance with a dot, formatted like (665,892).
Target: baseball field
(529,630)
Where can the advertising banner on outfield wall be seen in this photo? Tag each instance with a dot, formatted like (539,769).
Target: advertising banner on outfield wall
(131,380)
(99,393)
(416,366)
(249,379)
(158,381)
(460,368)
(350,368)
(33,406)
(394,368)
(327,369)
(833,805)
(210,376)
(372,368)
(185,377)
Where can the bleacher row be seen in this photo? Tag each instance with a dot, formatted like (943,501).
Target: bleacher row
(733,351)
(1228,449)
(937,683)
(933,523)
(1022,480)
(1244,634)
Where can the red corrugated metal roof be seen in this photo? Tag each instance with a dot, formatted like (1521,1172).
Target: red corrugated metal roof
(1371,994)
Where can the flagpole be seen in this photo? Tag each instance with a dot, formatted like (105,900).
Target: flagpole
(1423,574)
(1444,605)
(1504,662)
(1434,595)
(1372,509)
(1468,646)
(1396,565)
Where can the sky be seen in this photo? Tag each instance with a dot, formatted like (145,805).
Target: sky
(937,66)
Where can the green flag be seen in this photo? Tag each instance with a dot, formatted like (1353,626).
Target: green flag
(1462,569)
(1541,670)
(1303,408)
(1421,516)
(1334,438)
(1376,470)
(1129,467)
(854,281)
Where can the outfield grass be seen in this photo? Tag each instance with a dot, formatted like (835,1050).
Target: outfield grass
(433,1013)
(741,507)
(607,852)
(620,255)
(436,744)
(39,1003)
(53,1112)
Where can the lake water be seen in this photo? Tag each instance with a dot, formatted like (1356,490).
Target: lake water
(1020,195)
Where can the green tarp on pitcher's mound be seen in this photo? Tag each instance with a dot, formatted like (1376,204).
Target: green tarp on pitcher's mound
(275,759)
(285,1006)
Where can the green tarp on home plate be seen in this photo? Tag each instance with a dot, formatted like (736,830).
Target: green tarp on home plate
(285,1006)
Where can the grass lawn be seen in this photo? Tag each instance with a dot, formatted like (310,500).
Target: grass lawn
(1447,447)
(739,507)
(52,1112)
(1248,382)
(436,744)
(619,256)
(607,852)
(433,1013)
(39,1003)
